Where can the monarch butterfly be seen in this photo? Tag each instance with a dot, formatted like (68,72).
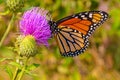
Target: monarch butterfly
(72,32)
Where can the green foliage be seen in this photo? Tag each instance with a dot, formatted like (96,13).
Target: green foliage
(33,66)
(15,64)
(9,71)
(1,1)
(76,76)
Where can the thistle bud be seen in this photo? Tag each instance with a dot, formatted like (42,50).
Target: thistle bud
(15,5)
(28,46)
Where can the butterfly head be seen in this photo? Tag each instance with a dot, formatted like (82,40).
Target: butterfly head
(53,26)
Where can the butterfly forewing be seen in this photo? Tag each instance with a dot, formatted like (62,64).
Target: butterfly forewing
(85,22)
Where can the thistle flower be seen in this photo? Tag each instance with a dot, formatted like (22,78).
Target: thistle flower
(15,5)
(35,29)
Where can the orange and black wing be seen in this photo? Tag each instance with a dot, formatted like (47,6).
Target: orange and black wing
(72,32)
(70,41)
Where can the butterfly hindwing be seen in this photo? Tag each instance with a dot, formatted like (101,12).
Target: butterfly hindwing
(72,32)
(70,41)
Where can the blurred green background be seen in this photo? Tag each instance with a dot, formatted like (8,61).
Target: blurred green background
(101,61)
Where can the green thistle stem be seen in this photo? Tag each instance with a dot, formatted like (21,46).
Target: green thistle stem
(16,71)
(23,69)
(7,30)
(15,74)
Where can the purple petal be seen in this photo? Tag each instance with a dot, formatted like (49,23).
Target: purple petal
(34,23)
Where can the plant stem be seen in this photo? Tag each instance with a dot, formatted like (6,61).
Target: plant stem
(23,69)
(7,30)
(15,74)
(17,69)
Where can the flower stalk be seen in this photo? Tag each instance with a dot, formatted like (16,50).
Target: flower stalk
(23,69)
(16,70)
(7,30)
(18,75)
(15,74)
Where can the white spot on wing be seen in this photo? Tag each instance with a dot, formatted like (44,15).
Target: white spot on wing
(76,16)
(101,14)
(83,16)
(90,15)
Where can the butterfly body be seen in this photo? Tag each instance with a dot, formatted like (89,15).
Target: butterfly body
(72,32)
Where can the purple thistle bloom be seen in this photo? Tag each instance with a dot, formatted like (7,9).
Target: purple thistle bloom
(34,22)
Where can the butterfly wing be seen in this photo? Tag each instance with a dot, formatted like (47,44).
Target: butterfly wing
(70,41)
(85,22)
(72,32)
